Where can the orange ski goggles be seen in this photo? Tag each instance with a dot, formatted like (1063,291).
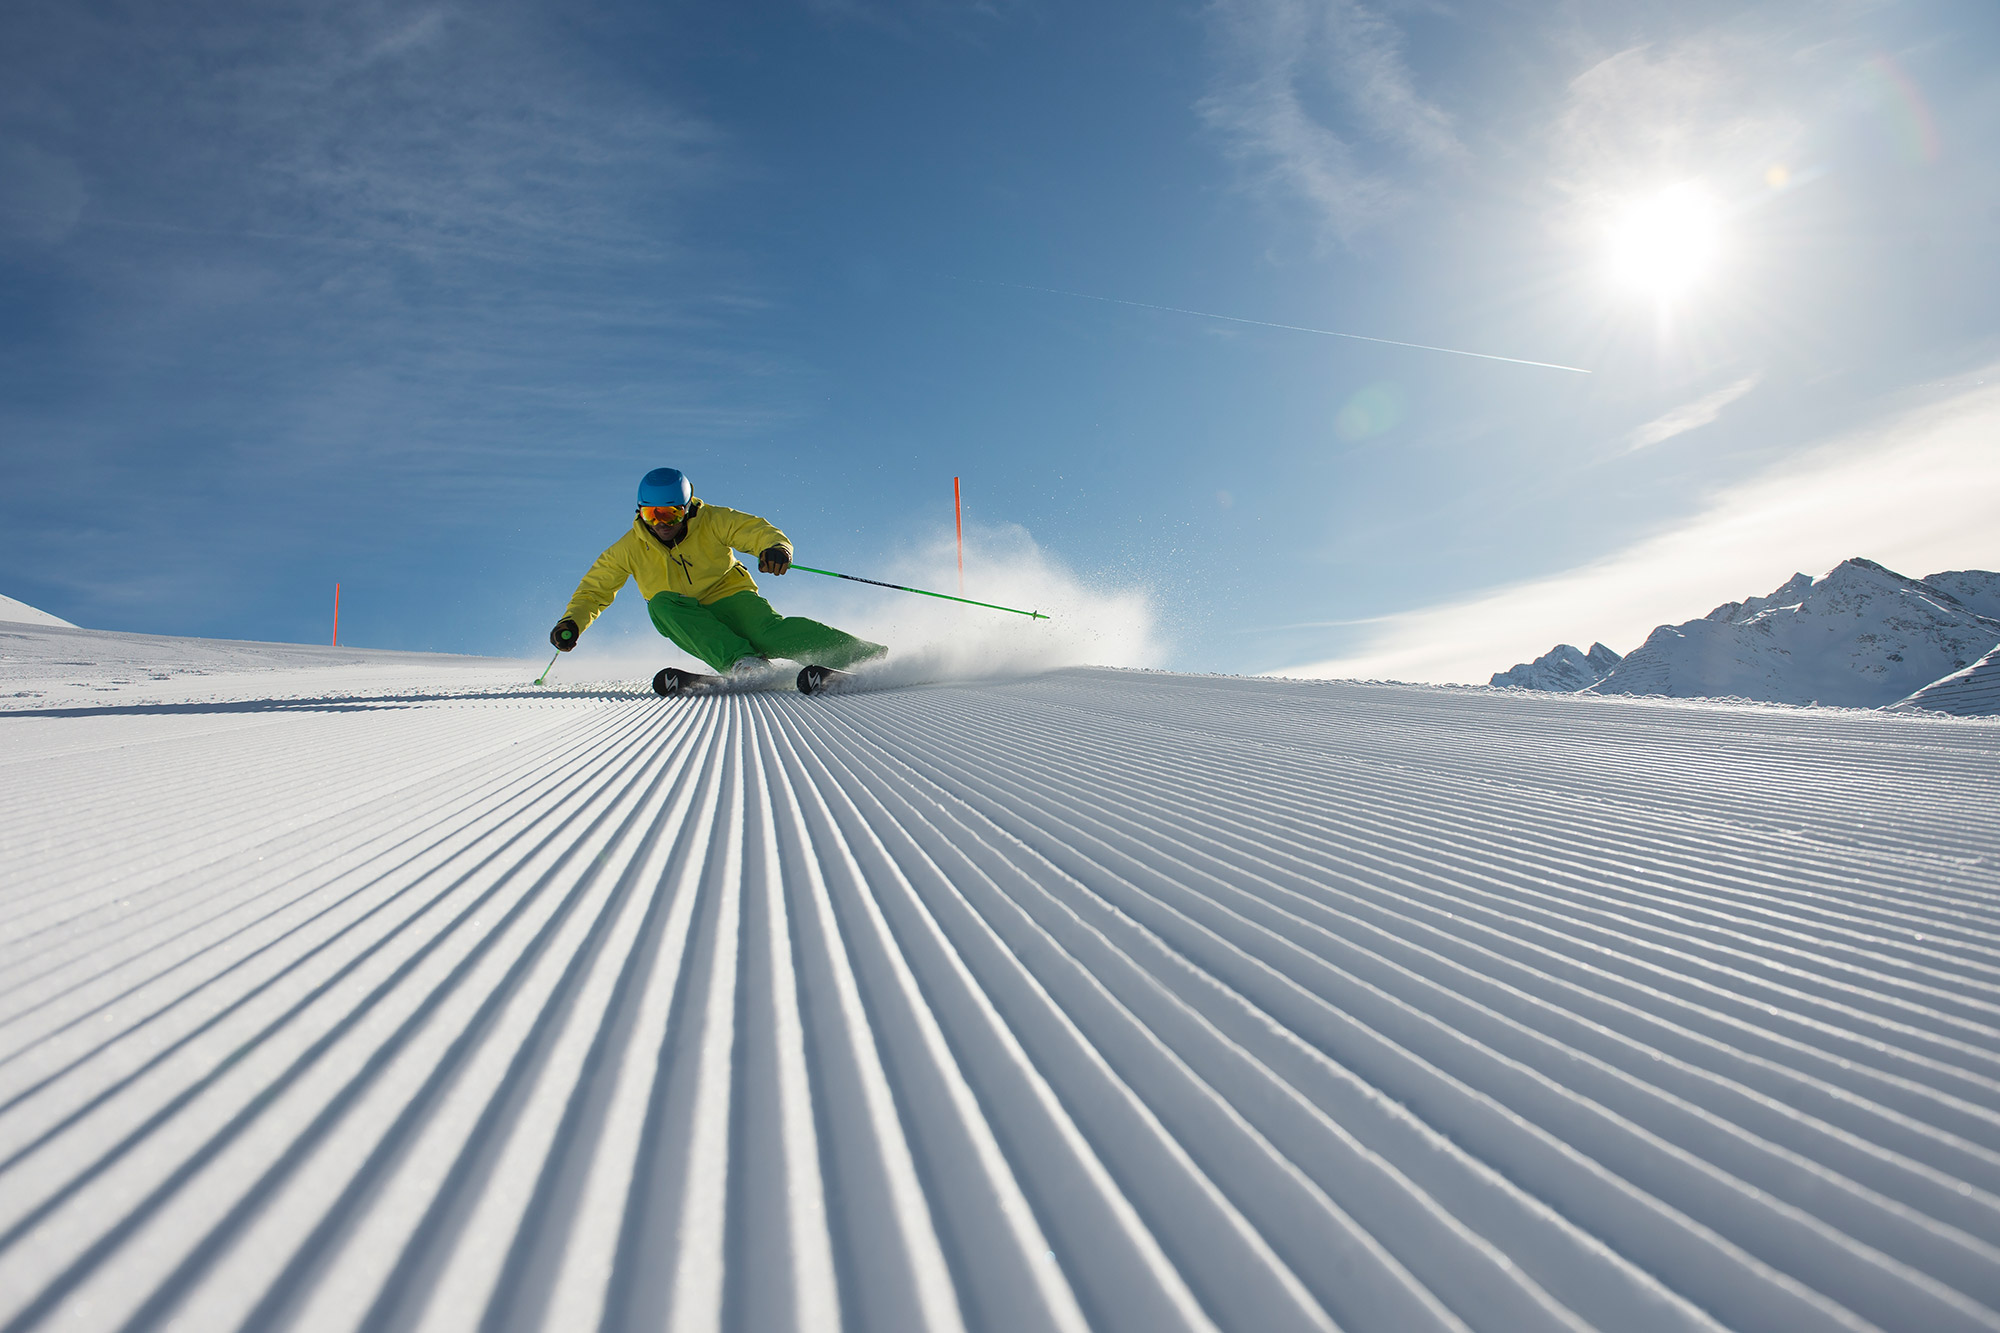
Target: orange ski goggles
(663,513)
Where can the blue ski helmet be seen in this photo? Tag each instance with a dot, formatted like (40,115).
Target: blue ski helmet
(664,486)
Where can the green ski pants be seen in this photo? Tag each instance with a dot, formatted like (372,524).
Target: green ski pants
(744,625)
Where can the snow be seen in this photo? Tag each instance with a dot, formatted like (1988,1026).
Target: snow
(1861,637)
(1971,692)
(1978,590)
(44,667)
(22,613)
(1562,668)
(1792,592)
(349,990)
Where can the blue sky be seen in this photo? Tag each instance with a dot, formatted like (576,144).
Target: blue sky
(409,297)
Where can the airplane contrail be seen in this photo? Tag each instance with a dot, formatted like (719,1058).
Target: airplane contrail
(1292,328)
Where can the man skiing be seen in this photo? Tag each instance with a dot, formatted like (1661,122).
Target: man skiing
(682,552)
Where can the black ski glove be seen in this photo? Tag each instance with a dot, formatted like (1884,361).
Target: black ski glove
(563,636)
(774,560)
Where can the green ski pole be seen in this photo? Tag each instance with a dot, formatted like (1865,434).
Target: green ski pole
(545,670)
(855,578)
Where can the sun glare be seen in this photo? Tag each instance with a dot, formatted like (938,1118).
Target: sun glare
(1665,243)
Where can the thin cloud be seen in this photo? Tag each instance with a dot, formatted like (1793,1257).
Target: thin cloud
(464,137)
(426,28)
(1320,624)
(439,254)
(41,194)
(1690,416)
(1917,492)
(1289,328)
(909,19)
(1283,57)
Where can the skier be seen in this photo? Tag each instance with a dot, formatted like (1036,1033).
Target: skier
(681,551)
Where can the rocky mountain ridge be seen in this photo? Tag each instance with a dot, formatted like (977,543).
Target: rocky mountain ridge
(1860,636)
(1562,669)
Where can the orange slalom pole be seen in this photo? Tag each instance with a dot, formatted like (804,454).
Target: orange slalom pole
(958,515)
(336,615)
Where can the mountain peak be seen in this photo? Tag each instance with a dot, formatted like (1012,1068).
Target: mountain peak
(1860,636)
(1978,590)
(1789,593)
(1562,669)
(1857,570)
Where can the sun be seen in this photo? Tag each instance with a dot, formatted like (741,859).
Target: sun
(1665,243)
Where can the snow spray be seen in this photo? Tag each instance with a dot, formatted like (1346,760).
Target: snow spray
(930,639)
(958,517)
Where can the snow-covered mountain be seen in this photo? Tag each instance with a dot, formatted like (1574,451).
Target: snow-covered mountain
(20,613)
(1977,589)
(1789,593)
(1863,636)
(1562,669)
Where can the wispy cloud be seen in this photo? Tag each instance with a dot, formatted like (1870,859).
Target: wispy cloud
(1319,624)
(435,132)
(412,262)
(460,136)
(1302,83)
(41,194)
(1917,492)
(910,19)
(1690,416)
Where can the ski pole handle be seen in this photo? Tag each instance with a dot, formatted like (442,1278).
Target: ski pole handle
(944,596)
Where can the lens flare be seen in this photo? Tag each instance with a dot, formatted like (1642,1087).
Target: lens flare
(1665,243)
(1909,115)
(1373,411)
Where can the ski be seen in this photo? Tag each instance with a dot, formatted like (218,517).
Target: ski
(820,679)
(669,681)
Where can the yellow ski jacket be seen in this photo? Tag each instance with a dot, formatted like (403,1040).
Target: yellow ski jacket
(703,566)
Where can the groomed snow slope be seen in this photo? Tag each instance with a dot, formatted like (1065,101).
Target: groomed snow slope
(1099,999)
(1972,692)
